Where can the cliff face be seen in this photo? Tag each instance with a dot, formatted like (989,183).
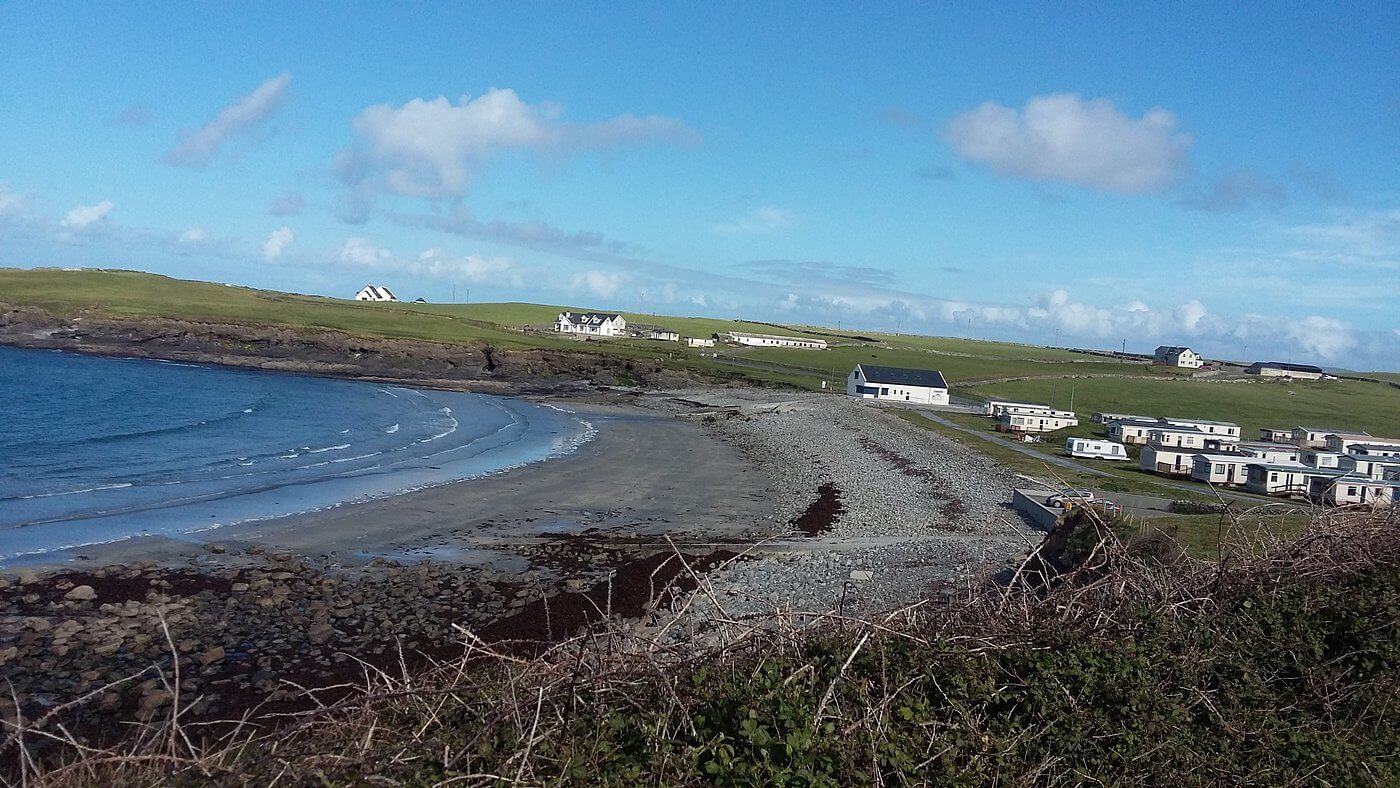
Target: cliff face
(327,352)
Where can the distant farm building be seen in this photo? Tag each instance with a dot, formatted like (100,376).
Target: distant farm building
(664,335)
(772,340)
(920,386)
(591,324)
(1277,369)
(375,293)
(699,342)
(1174,356)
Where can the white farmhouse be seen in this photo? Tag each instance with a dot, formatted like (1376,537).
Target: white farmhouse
(375,293)
(1174,356)
(591,324)
(773,340)
(920,386)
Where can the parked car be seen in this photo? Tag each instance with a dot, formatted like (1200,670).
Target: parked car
(1063,497)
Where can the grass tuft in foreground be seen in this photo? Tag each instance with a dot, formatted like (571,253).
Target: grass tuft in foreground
(1137,666)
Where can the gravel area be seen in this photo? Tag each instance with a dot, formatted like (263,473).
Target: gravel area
(920,512)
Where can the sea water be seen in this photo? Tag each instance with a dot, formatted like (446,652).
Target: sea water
(96,450)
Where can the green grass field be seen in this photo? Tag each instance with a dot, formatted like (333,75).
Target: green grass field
(1060,377)
(1343,404)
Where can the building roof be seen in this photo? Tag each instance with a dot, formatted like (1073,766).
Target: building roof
(1136,422)
(1285,366)
(588,318)
(901,376)
(1172,350)
(1202,421)
(1240,458)
(784,337)
(1368,446)
(1178,429)
(1330,431)
(379,291)
(1310,470)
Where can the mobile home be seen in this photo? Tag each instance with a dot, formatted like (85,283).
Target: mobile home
(1220,468)
(1095,449)
(1168,460)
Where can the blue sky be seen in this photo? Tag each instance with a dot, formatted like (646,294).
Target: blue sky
(1219,175)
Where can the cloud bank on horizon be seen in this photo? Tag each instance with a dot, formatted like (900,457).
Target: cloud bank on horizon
(1059,203)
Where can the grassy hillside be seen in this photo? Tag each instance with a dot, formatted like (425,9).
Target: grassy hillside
(1097,383)
(1344,404)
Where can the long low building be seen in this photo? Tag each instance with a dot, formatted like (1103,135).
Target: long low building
(1225,430)
(772,340)
(996,407)
(1290,479)
(1278,369)
(1166,460)
(1343,491)
(898,384)
(1220,468)
(1131,430)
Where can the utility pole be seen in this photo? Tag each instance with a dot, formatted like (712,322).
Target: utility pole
(1123,354)
(454,294)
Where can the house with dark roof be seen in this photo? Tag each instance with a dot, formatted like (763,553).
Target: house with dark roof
(1177,356)
(1278,369)
(591,324)
(898,384)
(375,293)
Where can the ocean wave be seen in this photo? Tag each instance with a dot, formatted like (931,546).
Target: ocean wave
(391,429)
(328,448)
(98,488)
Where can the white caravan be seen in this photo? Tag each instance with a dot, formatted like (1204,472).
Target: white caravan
(1095,449)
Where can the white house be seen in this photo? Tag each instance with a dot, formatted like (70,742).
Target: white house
(1131,430)
(1019,421)
(592,324)
(1280,478)
(1224,430)
(1316,437)
(996,407)
(1277,369)
(1345,491)
(375,293)
(699,342)
(1173,356)
(921,386)
(664,335)
(773,340)
(1168,460)
(1220,468)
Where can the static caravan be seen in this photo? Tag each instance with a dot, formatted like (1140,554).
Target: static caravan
(996,407)
(1224,430)
(1271,435)
(1095,449)
(1269,452)
(699,342)
(1131,430)
(772,340)
(1320,458)
(1104,418)
(1016,421)
(1284,478)
(1345,491)
(1377,449)
(1316,437)
(1220,468)
(1168,460)
(1185,437)
(1381,468)
(1342,442)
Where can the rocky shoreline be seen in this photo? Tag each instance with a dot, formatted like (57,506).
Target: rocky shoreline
(867,513)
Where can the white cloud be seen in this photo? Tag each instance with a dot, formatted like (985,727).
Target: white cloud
(198,147)
(1062,137)
(603,284)
(1324,336)
(86,215)
(759,221)
(194,235)
(430,148)
(1189,316)
(1365,234)
(360,251)
(10,200)
(289,204)
(277,242)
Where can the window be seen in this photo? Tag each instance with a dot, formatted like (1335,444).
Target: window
(1273,477)
(1351,491)
(884,391)
(1219,468)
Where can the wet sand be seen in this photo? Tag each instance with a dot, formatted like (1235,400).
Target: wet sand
(645,477)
